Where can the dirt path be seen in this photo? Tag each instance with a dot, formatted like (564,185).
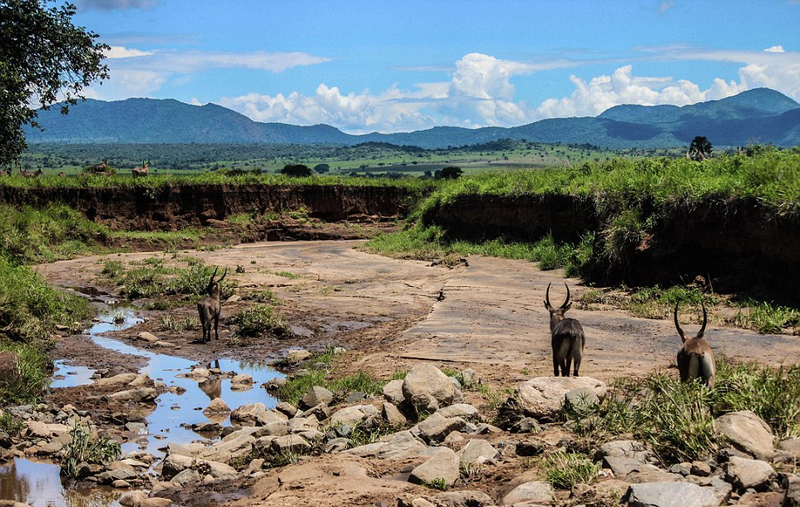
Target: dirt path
(491,319)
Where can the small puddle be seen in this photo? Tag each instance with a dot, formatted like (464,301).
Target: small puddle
(39,484)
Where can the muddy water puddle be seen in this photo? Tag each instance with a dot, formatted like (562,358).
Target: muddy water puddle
(39,484)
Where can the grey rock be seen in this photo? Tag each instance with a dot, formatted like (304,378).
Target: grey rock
(400,445)
(749,473)
(543,397)
(463,410)
(286,409)
(627,449)
(476,452)
(230,449)
(469,378)
(435,428)
(443,464)
(393,392)
(669,494)
(530,493)
(620,465)
(791,484)
(124,474)
(248,415)
(187,477)
(337,445)
(427,388)
(392,415)
(352,415)
(463,499)
(747,432)
(650,473)
(581,399)
(290,443)
(526,425)
(315,396)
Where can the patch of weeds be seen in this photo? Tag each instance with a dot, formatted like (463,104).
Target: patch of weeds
(113,270)
(262,296)
(261,319)
(170,323)
(87,448)
(765,317)
(470,472)
(160,304)
(672,416)
(362,436)
(297,386)
(564,470)
(282,459)
(10,424)
(287,274)
(657,303)
(437,483)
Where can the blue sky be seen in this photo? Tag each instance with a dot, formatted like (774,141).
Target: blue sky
(392,66)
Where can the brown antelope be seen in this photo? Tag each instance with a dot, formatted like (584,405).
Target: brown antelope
(695,358)
(29,174)
(142,170)
(209,308)
(567,337)
(101,167)
(62,174)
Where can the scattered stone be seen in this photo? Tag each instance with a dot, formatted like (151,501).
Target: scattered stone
(140,499)
(427,388)
(748,433)
(295,356)
(749,473)
(621,466)
(650,473)
(148,337)
(627,449)
(442,465)
(115,382)
(353,415)
(581,399)
(531,493)
(290,443)
(476,452)
(464,499)
(543,397)
(248,415)
(315,396)
(392,415)
(217,406)
(393,392)
(700,469)
(286,408)
(459,410)
(669,494)
(138,395)
(792,485)
(526,425)
(401,445)
(435,428)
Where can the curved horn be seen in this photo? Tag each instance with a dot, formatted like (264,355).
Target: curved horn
(678,326)
(705,321)
(566,301)
(213,275)
(223,275)
(547,297)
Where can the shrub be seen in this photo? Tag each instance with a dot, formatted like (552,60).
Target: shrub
(87,448)
(564,470)
(260,319)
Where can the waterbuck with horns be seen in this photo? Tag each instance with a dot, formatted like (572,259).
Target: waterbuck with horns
(209,307)
(695,358)
(568,338)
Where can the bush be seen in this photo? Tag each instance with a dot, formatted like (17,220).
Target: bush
(296,170)
(261,319)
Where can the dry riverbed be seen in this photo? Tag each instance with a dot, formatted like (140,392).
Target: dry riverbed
(391,315)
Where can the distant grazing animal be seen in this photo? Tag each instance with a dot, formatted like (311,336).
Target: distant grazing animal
(142,170)
(209,308)
(695,358)
(29,174)
(62,174)
(567,337)
(101,167)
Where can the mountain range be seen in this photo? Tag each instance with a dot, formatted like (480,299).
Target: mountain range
(760,115)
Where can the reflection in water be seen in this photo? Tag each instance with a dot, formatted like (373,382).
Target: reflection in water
(39,485)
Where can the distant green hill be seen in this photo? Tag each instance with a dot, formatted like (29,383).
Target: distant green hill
(761,115)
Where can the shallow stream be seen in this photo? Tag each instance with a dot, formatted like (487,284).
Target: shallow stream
(39,484)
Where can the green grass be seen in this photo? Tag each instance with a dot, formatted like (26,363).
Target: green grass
(677,418)
(260,319)
(87,448)
(566,469)
(154,278)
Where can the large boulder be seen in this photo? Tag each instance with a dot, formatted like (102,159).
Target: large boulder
(400,445)
(249,415)
(749,473)
(748,433)
(543,397)
(427,388)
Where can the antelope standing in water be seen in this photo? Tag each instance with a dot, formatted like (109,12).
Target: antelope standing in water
(695,358)
(567,337)
(209,308)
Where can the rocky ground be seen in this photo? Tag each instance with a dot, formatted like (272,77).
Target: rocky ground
(484,319)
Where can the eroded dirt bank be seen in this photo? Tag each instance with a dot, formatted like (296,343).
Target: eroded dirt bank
(172,207)
(737,246)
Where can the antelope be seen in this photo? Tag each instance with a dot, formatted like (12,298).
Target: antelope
(568,338)
(209,308)
(101,167)
(29,174)
(695,358)
(62,174)
(142,170)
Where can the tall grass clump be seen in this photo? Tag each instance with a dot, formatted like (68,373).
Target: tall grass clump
(87,448)
(32,235)
(677,418)
(261,319)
